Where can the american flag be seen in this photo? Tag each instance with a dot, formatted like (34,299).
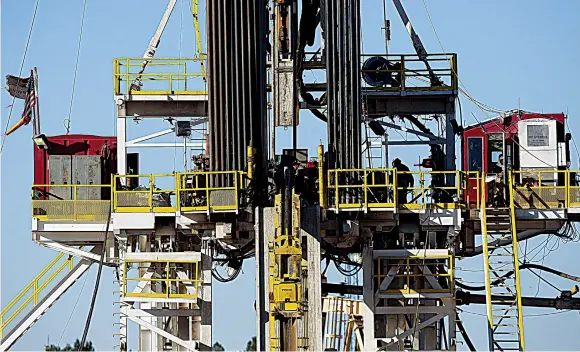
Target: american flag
(30,102)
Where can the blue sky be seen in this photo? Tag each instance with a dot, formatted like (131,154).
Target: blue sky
(508,50)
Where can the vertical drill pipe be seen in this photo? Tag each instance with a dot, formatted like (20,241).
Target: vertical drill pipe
(355,67)
(244,128)
(237,101)
(345,83)
(211,64)
(237,84)
(219,71)
(227,74)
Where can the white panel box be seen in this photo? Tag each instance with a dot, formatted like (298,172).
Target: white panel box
(538,144)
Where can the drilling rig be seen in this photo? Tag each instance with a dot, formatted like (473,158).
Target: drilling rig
(167,235)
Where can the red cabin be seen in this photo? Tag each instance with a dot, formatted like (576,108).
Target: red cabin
(74,159)
(527,141)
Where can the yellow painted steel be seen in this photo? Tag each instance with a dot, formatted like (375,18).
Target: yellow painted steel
(368,189)
(251,153)
(421,195)
(168,76)
(413,74)
(166,272)
(541,189)
(483,215)
(362,189)
(322,189)
(411,267)
(285,283)
(31,294)
(77,205)
(516,264)
(199,48)
(141,201)
(202,187)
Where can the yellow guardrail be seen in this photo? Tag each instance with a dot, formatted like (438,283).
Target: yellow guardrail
(211,191)
(162,76)
(148,197)
(71,202)
(544,189)
(408,269)
(31,294)
(412,75)
(203,191)
(164,272)
(425,195)
(368,189)
(373,189)
(361,188)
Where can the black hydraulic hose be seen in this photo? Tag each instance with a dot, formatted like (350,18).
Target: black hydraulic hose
(93,300)
(319,114)
(523,266)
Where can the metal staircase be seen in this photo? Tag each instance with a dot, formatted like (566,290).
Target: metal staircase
(13,317)
(502,280)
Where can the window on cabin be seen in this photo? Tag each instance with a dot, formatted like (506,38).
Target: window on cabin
(494,151)
(475,154)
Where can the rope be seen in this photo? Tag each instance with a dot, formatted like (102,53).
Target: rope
(20,72)
(67,121)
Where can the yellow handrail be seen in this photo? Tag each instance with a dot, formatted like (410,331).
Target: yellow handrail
(74,205)
(412,67)
(516,265)
(483,215)
(36,286)
(174,70)
(194,279)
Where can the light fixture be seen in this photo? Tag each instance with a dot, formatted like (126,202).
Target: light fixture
(41,141)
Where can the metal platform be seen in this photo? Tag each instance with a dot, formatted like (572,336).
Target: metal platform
(170,87)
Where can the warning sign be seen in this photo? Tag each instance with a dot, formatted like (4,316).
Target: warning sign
(538,135)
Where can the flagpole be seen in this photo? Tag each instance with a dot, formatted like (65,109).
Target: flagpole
(34,132)
(37,108)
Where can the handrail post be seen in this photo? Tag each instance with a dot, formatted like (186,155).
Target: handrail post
(167,282)
(177,182)
(321,183)
(336,189)
(207,186)
(403,78)
(395,190)
(151,185)
(567,189)
(236,191)
(365,190)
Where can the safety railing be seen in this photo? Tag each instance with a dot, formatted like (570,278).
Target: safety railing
(161,77)
(398,73)
(32,294)
(148,193)
(543,189)
(72,202)
(429,190)
(214,191)
(166,278)
(375,189)
(361,189)
(414,274)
